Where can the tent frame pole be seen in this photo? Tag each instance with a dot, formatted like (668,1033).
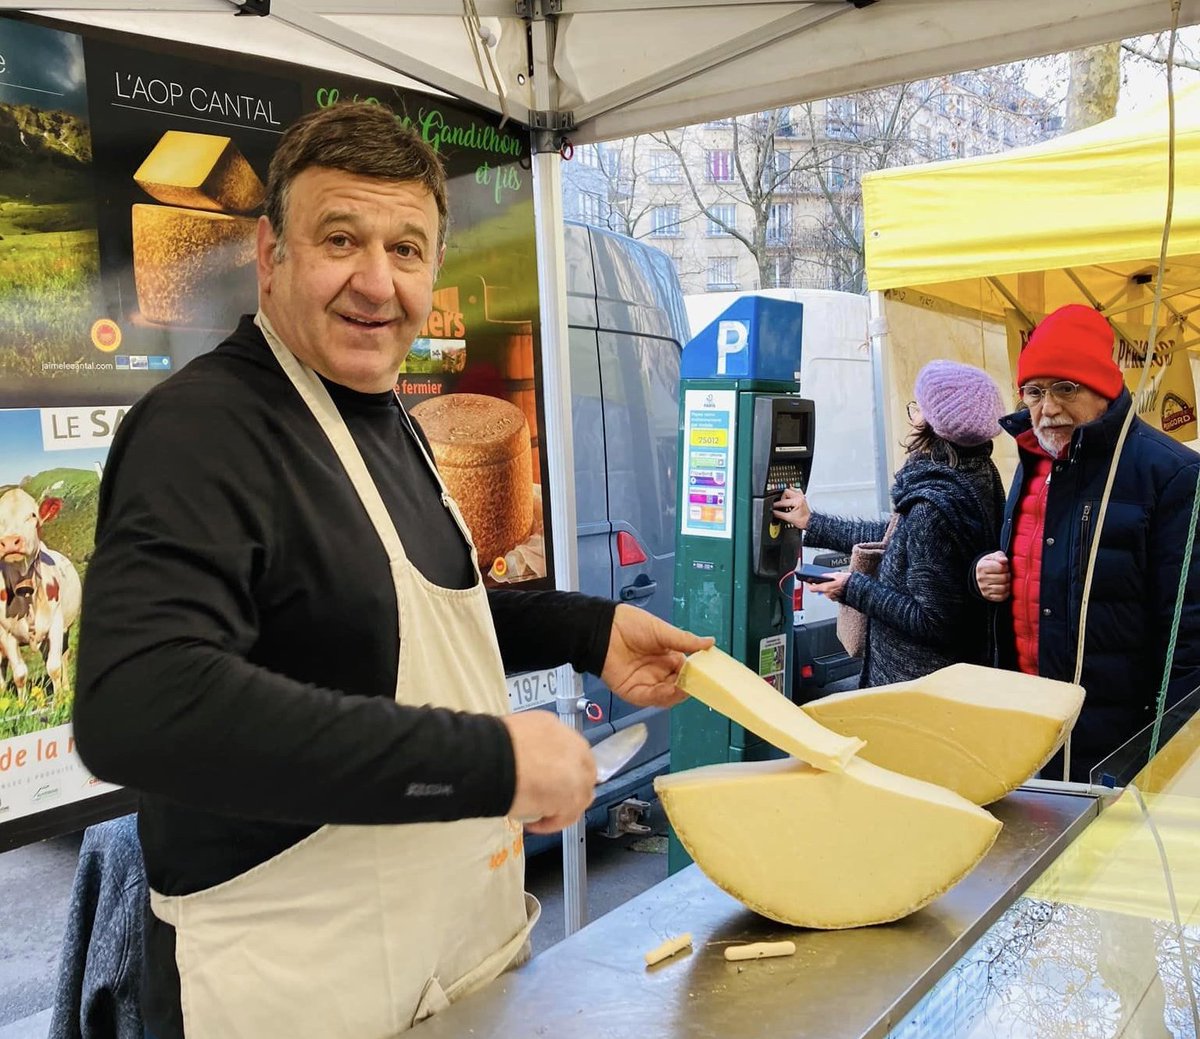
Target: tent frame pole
(557,440)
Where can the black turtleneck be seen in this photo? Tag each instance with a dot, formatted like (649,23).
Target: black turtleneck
(238,647)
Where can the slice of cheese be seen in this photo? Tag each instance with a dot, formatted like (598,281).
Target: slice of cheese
(200,171)
(975,730)
(729,687)
(825,849)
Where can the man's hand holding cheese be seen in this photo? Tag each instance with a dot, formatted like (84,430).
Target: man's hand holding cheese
(288,649)
(644,658)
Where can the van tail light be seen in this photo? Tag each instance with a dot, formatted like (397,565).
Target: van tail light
(798,595)
(628,549)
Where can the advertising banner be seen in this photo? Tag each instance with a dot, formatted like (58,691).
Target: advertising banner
(51,461)
(708,458)
(1169,399)
(132,179)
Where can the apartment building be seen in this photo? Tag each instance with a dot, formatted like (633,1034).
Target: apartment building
(774,199)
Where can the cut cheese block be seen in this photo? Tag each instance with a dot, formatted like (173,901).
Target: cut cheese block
(975,730)
(729,687)
(201,171)
(825,849)
(189,265)
(481,446)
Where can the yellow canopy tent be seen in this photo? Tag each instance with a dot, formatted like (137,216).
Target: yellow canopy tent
(1078,219)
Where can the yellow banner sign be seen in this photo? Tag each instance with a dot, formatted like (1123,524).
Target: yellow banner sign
(1169,399)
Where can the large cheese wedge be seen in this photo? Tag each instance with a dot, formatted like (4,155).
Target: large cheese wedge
(200,171)
(825,849)
(975,730)
(729,687)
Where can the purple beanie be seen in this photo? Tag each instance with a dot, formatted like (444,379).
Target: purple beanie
(959,402)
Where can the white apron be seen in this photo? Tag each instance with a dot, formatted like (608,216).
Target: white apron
(359,932)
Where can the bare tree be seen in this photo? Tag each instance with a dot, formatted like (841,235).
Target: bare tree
(942,118)
(755,172)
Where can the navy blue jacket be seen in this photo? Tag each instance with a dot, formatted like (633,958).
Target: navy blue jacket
(1136,581)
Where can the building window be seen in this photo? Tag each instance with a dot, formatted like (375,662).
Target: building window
(720,166)
(775,172)
(841,117)
(779,222)
(664,167)
(842,171)
(943,146)
(588,155)
(721,272)
(590,208)
(720,219)
(665,222)
(779,272)
(787,125)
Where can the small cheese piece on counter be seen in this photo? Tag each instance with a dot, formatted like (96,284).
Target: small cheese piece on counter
(759,950)
(668,948)
(825,849)
(974,730)
(732,689)
(200,171)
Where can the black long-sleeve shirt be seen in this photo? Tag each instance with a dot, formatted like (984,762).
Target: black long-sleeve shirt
(238,651)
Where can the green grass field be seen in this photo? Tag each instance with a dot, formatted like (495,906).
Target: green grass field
(49,288)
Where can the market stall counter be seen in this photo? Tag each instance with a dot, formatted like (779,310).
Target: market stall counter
(845,984)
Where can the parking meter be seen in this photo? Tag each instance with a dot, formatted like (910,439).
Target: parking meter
(746,435)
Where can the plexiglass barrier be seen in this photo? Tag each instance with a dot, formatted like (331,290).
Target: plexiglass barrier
(1106,943)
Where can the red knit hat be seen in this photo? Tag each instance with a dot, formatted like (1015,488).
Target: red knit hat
(1075,342)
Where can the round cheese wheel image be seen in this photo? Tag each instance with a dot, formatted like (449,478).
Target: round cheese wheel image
(481,446)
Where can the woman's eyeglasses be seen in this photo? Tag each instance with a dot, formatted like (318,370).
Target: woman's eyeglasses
(1064,392)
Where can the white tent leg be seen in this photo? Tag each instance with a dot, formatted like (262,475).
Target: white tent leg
(878,330)
(556,437)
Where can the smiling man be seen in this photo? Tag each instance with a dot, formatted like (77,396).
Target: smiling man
(1076,401)
(288,649)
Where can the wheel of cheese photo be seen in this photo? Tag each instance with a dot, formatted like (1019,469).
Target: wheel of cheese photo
(821,849)
(482,449)
(978,731)
(188,264)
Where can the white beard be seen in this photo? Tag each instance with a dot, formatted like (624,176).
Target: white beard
(1054,439)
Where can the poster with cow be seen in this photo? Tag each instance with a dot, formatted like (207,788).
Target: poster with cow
(50,470)
(132,177)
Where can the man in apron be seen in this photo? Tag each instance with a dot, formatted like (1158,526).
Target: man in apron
(288,648)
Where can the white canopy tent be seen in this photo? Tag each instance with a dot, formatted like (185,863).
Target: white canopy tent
(593,70)
(618,67)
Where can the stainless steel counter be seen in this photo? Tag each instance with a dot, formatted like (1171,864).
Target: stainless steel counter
(839,985)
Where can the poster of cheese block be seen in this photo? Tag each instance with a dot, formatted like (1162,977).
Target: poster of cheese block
(187,261)
(183,144)
(200,171)
(481,446)
(826,850)
(729,687)
(978,731)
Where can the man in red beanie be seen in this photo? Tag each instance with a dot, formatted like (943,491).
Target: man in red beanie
(1077,401)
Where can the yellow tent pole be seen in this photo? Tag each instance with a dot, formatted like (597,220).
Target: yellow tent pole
(998,285)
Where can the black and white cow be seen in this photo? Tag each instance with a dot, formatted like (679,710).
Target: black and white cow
(41,593)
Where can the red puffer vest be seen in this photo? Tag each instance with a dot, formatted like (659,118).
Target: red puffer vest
(1025,554)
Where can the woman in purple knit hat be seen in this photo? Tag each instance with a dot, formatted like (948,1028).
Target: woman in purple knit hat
(921,613)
